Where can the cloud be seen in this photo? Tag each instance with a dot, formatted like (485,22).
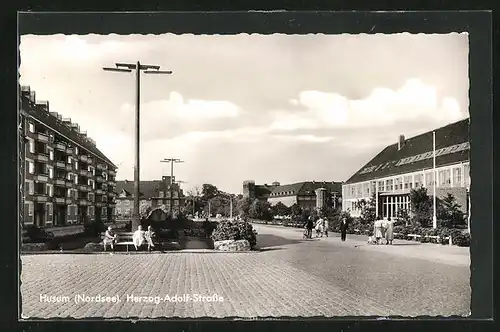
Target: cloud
(413,101)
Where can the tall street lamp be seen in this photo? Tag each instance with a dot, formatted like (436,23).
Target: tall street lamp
(147,69)
(172,161)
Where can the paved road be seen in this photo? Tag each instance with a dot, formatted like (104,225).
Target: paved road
(290,277)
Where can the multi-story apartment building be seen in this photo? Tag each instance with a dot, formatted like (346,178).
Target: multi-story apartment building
(153,194)
(408,164)
(66,179)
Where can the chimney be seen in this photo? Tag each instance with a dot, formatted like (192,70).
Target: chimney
(401,142)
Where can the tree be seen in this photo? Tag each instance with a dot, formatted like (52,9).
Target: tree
(368,207)
(295,211)
(243,206)
(219,205)
(280,209)
(209,191)
(260,210)
(421,207)
(449,212)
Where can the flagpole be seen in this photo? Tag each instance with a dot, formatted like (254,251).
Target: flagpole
(434,217)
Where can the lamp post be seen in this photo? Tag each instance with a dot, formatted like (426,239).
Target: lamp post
(171,161)
(147,69)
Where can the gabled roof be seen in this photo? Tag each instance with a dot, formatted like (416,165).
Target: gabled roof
(147,189)
(306,188)
(452,146)
(38,112)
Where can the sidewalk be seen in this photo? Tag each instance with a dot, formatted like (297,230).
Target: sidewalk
(452,255)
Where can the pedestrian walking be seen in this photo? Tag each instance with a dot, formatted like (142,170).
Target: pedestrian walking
(389,231)
(109,238)
(377,230)
(325,226)
(309,224)
(319,227)
(343,229)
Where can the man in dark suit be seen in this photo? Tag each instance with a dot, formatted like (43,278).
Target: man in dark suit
(343,228)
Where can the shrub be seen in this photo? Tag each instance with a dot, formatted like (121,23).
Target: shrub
(240,230)
(94,228)
(38,234)
(209,227)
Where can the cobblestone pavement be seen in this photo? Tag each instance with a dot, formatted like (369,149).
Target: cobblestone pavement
(290,277)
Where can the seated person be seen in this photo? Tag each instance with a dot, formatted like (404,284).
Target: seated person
(109,238)
(149,234)
(138,238)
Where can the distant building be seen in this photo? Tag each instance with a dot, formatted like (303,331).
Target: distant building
(308,194)
(153,194)
(66,178)
(408,164)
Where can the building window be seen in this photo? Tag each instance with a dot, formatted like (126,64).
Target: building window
(76,165)
(127,202)
(31,208)
(380,185)
(70,160)
(118,211)
(407,182)
(398,184)
(467,175)
(444,178)
(32,146)
(75,177)
(366,188)
(91,197)
(51,154)
(76,150)
(429,179)
(457,177)
(418,180)
(389,185)
(31,167)
(31,127)
(49,190)
(51,172)
(160,194)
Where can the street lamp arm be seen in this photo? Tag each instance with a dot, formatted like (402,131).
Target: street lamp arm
(117,69)
(158,72)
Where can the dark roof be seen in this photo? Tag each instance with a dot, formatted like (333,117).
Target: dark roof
(41,113)
(147,189)
(391,161)
(263,191)
(306,188)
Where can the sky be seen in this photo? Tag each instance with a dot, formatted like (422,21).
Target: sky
(285,108)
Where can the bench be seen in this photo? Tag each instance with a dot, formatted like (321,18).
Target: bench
(435,237)
(125,239)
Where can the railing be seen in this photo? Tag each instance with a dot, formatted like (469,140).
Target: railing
(100,166)
(99,179)
(41,178)
(69,167)
(39,156)
(60,164)
(60,181)
(69,183)
(60,146)
(84,158)
(42,137)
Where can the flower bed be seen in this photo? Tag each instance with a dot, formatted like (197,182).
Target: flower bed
(239,230)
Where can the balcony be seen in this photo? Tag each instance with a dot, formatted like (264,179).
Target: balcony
(42,138)
(69,200)
(83,187)
(60,181)
(69,167)
(41,178)
(60,164)
(84,172)
(111,183)
(70,150)
(70,183)
(99,179)
(83,202)
(100,167)
(99,204)
(60,146)
(59,200)
(111,194)
(99,191)
(90,160)
(112,173)
(84,158)
(42,157)
(40,198)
